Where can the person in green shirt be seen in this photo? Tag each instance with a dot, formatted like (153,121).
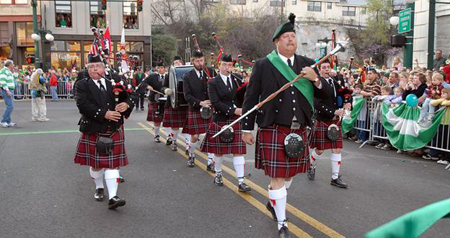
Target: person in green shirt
(7,90)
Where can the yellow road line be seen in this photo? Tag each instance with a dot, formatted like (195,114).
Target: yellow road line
(293,210)
(247,197)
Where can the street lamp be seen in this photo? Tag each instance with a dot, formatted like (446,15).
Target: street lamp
(394,20)
(35,37)
(323,44)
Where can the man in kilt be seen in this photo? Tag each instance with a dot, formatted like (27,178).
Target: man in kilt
(195,90)
(288,114)
(328,114)
(102,142)
(222,91)
(173,117)
(156,101)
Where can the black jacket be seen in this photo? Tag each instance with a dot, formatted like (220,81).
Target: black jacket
(195,90)
(327,105)
(418,92)
(93,110)
(265,80)
(222,99)
(138,80)
(155,81)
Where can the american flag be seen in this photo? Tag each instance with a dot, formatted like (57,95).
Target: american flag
(94,49)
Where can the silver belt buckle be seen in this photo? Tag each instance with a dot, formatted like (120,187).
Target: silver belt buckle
(295,125)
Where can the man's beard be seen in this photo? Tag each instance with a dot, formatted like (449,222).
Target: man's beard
(198,67)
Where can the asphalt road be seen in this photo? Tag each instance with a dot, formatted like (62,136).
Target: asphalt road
(44,194)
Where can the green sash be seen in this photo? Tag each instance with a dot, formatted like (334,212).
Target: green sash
(303,85)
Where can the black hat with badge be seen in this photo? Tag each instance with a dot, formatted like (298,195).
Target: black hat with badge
(94,59)
(285,27)
(198,54)
(226,58)
(177,58)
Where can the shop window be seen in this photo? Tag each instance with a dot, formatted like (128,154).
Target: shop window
(314,6)
(61,60)
(5,52)
(58,46)
(136,47)
(63,13)
(98,17)
(24,31)
(130,16)
(5,37)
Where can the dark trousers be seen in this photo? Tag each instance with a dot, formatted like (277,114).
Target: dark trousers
(141,100)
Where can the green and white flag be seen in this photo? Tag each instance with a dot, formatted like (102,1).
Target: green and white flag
(402,128)
(349,119)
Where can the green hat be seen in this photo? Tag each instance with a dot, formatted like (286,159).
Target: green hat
(285,27)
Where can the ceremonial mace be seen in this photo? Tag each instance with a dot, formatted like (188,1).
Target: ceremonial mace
(338,48)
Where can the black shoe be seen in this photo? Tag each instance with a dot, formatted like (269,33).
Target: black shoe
(271,210)
(99,194)
(116,202)
(157,139)
(174,146)
(121,179)
(284,232)
(191,162)
(210,168)
(311,174)
(169,141)
(338,183)
(218,179)
(244,188)
(142,109)
(186,151)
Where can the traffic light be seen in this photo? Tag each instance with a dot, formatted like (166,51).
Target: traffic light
(30,59)
(104,4)
(139,5)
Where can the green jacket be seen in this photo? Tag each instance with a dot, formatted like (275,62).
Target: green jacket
(6,79)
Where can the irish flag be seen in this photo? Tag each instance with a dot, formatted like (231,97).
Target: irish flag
(402,128)
(349,120)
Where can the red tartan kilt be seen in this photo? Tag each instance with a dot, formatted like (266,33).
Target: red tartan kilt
(195,124)
(271,157)
(151,114)
(320,139)
(175,117)
(87,151)
(210,145)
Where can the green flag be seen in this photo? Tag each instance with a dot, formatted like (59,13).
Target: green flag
(402,128)
(413,224)
(349,120)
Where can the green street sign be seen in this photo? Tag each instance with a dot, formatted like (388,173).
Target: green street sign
(404,24)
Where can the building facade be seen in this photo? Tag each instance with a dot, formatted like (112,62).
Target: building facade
(71,22)
(16,27)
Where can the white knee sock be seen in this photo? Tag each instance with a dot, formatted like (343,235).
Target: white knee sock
(210,159)
(239,167)
(97,176)
(314,158)
(192,148)
(111,177)
(157,130)
(335,165)
(287,184)
(278,200)
(174,135)
(187,138)
(218,163)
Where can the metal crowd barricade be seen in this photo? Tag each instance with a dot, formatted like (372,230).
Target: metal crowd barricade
(378,131)
(375,129)
(64,90)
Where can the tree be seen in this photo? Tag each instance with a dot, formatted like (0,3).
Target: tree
(164,48)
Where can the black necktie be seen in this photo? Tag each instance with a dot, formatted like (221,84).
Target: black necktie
(104,94)
(161,77)
(229,83)
(101,86)
(290,64)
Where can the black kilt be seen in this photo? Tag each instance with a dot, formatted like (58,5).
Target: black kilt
(320,139)
(195,124)
(175,117)
(216,146)
(152,113)
(87,154)
(271,157)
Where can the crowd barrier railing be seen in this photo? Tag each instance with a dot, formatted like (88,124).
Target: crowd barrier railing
(64,90)
(366,122)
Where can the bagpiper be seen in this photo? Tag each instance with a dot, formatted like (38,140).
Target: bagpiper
(222,91)
(282,139)
(195,90)
(327,128)
(102,142)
